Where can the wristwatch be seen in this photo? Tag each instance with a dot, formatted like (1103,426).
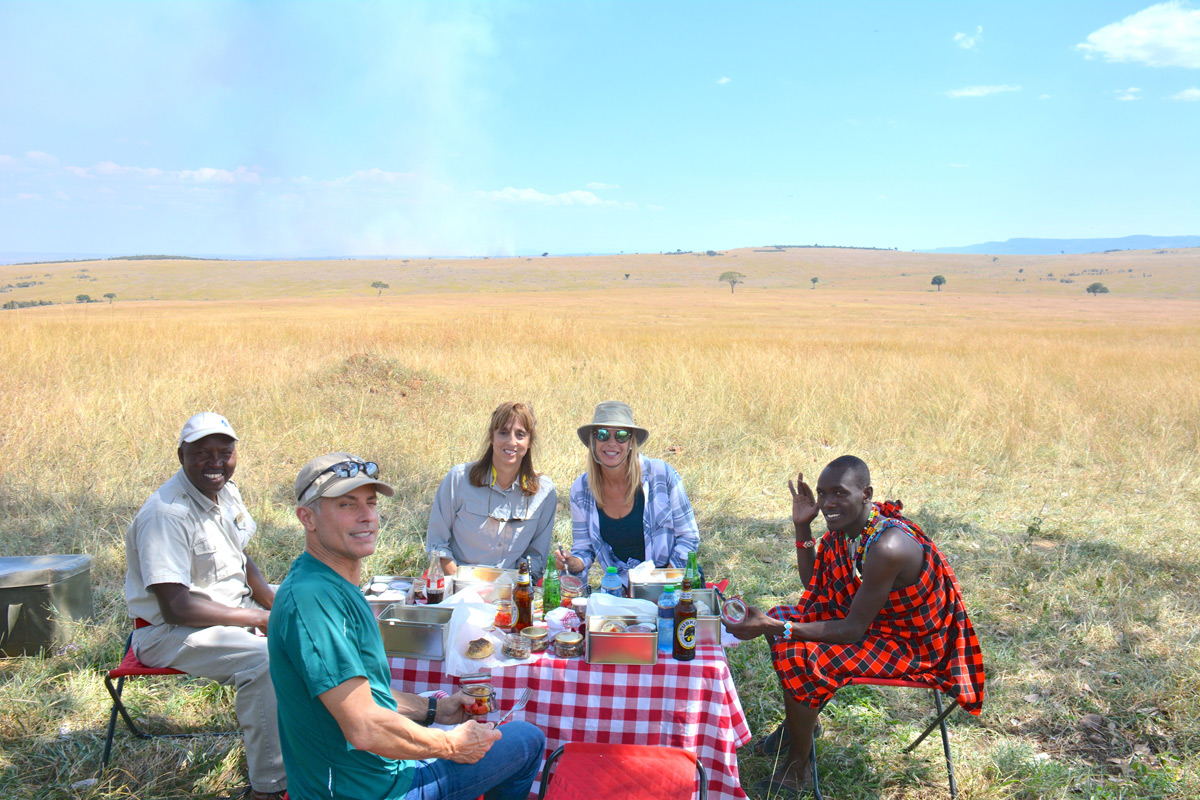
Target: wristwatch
(431,714)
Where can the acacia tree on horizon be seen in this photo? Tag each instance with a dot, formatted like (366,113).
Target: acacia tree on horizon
(732,278)
(380,285)
(1097,288)
(938,281)
(109,296)
(814,281)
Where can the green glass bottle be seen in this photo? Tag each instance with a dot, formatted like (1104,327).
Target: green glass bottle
(551,595)
(692,572)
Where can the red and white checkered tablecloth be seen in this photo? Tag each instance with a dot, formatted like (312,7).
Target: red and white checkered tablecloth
(693,705)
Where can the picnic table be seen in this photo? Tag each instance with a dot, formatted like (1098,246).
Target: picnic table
(688,704)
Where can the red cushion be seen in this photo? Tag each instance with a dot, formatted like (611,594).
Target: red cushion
(588,770)
(131,666)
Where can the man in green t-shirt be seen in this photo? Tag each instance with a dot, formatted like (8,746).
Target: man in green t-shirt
(345,732)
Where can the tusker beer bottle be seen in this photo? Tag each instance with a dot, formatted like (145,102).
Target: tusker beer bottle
(684,646)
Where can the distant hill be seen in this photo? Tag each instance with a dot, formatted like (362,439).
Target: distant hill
(1050,247)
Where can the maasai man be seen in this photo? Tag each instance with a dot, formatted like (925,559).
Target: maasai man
(880,601)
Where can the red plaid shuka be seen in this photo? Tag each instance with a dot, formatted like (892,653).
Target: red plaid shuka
(922,631)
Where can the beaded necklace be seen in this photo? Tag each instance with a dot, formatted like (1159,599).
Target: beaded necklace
(869,530)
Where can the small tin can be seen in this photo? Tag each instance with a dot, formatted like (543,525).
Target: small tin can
(568,644)
(539,638)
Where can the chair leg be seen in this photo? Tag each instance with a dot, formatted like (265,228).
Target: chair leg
(112,719)
(812,763)
(940,721)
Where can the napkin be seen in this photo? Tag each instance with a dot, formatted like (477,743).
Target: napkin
(472,619)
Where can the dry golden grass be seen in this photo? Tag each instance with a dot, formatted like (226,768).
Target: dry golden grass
(1049,442)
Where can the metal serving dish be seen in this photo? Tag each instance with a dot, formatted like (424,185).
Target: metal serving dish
(468,576)
(621,648)
(415,631)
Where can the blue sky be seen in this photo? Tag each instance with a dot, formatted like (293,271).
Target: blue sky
(498,128)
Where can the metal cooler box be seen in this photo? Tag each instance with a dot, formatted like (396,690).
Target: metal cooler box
(39,597)
(415,631)
(620,648)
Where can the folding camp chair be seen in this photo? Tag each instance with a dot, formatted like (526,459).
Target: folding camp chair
(130,667)
(628,771)
(939,720)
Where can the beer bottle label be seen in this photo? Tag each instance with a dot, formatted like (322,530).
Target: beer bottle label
(685,631)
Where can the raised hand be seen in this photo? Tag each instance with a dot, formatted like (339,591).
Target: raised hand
(804,504)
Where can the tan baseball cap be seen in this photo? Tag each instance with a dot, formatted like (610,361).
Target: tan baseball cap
(334,475)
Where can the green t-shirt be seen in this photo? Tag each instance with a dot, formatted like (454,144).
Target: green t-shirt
(321,634)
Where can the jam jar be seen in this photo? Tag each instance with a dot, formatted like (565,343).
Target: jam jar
(568,644)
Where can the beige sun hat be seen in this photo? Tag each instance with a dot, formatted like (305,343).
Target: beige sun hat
(322,477)
(612,414)
(206,423)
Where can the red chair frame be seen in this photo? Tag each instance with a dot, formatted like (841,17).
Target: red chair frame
(599,747)
(130,667)
(939,721)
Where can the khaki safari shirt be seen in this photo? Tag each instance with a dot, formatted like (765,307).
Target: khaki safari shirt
(180,536)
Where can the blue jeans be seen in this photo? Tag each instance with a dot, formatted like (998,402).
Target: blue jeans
(505,773)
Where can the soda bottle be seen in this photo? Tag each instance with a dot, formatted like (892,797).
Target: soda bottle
(551,596)
(666,619)
(523,599)
(692,571)
(684,646)
(435,581)
(611,583)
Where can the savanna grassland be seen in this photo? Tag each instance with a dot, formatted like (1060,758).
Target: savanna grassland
(1046,438)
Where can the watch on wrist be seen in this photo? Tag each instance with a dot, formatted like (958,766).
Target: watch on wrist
(431,714)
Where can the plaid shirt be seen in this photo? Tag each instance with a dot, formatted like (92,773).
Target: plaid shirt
(668,522)
(922,631)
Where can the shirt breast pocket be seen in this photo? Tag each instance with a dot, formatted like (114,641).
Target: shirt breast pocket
(208,566)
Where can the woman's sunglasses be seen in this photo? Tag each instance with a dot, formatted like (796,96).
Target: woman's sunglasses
(621,435)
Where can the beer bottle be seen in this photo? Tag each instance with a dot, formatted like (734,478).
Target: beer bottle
(523,599)
(684,646)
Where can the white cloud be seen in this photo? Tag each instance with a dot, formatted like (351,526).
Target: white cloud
(596,185)
(981,91)
(958,166)
(576,197)
(24,196)
(7,161)
(38,157)
(1163,35)
(374,175)
(1043,97)
(1188,95)
(1128,94)
(968,42)
(721,81)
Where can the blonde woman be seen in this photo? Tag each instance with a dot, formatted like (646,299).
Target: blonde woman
(626,508)
(499,509)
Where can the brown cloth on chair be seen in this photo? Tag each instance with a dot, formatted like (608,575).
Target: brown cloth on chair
(921,633)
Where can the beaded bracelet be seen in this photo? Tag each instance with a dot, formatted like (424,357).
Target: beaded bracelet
(787,629)
(807,543)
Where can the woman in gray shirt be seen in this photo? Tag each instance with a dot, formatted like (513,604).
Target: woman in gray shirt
(498,509)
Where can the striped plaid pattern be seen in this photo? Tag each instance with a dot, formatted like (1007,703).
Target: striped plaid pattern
(922,631)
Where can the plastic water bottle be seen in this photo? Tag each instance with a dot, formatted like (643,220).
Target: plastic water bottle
(611,583)
(666,619)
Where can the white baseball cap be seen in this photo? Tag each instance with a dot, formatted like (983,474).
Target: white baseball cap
(204,424)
